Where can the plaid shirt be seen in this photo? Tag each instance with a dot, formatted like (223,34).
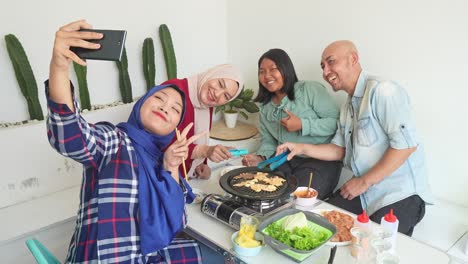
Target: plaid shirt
(107,227)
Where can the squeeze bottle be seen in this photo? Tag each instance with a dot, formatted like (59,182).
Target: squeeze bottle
(390,222)
(363,222)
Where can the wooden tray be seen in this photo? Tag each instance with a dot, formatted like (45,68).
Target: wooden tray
(241,131)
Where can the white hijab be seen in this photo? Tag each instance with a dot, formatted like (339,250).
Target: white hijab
(202,112)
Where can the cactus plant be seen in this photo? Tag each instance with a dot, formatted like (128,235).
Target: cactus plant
(149,69)
(24,76)
(168,50)
(80,72)
(124,79)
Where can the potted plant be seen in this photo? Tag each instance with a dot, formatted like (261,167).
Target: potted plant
(237,106)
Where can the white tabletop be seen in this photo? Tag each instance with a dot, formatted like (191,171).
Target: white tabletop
(407,249)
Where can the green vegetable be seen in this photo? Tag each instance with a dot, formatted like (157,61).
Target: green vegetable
(302,238)
(295,220)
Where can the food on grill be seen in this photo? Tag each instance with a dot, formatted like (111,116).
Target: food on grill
(263,187)
(343,223)
(245,176)
(259,181)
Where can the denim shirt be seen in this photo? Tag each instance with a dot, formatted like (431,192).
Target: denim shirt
(376,117)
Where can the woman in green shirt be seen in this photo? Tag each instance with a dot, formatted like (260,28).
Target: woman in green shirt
(295,111)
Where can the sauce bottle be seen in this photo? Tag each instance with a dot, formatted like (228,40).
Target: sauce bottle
(363,222)
(390,222)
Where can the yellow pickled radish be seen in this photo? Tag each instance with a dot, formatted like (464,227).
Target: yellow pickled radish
(248,231)
(246,235)
(247,242)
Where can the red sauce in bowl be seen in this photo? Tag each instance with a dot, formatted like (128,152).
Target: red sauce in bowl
(306,194)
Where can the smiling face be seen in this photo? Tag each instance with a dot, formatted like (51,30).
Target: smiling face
(161,112)
(216,92)
(340,65)
(270,76)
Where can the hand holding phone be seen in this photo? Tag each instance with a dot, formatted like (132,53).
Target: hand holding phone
(112,44)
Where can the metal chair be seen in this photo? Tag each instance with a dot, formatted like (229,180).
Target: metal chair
(40,252)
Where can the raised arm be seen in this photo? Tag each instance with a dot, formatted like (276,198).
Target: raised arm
(66,37)
(68,132)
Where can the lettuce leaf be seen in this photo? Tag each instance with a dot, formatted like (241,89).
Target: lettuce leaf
(296,220)
(302,238)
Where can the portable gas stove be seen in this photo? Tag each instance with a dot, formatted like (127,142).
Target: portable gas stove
(241,201)
(230,209)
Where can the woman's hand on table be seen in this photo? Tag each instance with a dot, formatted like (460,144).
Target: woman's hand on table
(252,160)
(203,171)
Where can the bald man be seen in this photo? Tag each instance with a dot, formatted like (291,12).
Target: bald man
(376,139)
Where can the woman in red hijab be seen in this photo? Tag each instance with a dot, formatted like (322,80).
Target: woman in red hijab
(214,87)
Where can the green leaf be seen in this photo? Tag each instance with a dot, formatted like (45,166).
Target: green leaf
(236,103)
(247,94)
(244,115)
(251,107)
(220,108)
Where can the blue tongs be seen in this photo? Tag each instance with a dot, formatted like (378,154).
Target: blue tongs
(238,152)
(274,162)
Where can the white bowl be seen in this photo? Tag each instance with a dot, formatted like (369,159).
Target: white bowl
(301,201)
(248,252)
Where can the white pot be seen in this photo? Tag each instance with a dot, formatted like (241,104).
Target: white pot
(230,119)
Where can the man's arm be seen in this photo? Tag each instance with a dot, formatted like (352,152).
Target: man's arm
(391,161)
(327,152)
(392,109)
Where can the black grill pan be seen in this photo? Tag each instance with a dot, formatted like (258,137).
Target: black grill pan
(227,180)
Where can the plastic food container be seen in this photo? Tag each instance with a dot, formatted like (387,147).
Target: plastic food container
(244,251)
(301,200)
(316,222)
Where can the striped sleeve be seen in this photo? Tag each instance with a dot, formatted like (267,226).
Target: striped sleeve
(70,134)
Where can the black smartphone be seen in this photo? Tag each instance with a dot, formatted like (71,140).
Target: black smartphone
(112,44)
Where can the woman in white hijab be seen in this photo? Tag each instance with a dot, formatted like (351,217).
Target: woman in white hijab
(214,87)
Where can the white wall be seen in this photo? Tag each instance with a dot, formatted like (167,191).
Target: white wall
(30,167)
(420,44)
(198,30)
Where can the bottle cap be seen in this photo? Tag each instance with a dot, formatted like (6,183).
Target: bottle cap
(390,217)
(363,218)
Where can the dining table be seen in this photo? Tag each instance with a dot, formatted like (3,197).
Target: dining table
(217,235)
